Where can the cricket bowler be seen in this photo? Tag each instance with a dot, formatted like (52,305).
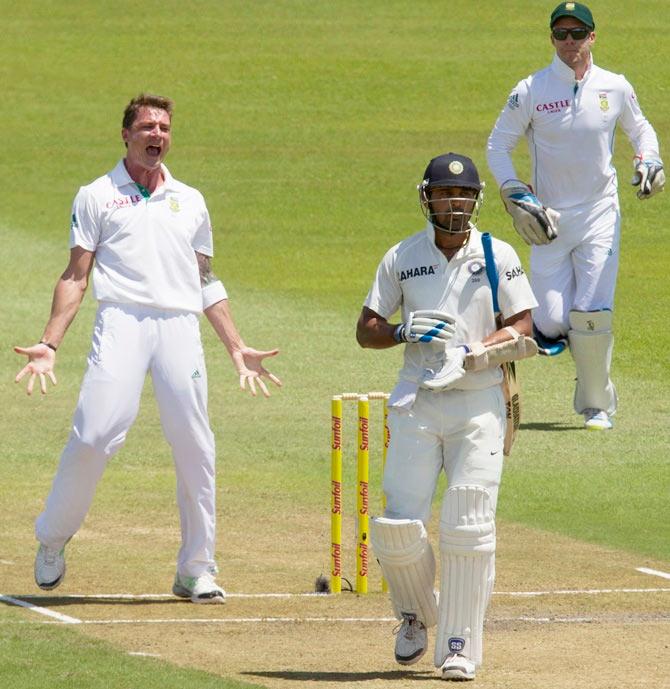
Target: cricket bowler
(148,240)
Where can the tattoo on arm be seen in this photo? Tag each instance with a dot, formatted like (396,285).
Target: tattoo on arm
(205,268)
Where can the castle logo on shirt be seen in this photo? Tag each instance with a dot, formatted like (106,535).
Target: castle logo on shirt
(554,106)
(604,103)
(419,271)
(124,201)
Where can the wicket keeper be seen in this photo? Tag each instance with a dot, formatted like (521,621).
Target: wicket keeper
(569,211)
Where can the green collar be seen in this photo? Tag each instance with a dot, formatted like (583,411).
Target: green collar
(143,190)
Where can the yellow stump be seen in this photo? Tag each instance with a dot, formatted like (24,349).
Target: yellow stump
(385,446)
(336,495)
(362,522)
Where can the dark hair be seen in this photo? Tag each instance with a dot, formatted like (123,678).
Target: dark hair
(145,100)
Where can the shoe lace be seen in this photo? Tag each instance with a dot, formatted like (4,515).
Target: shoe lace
(50,555)
(592,413)
(207,576)
(407,627)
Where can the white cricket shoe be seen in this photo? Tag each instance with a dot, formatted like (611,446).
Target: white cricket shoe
(202,589)
(596,420)
(458,668)
(49,567)
(411,640)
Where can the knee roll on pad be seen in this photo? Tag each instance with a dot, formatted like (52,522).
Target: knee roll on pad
(591,343)
(407,561)
(467,548)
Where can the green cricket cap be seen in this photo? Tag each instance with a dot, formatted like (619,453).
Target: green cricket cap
(573,9)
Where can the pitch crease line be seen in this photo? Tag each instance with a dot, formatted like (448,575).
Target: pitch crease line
(325,620)
(63,619)
(169,596)
(653,572)
(579,592)
(246,620)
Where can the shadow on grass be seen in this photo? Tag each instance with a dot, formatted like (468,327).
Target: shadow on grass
(297,676)
(550,426)
(64,601)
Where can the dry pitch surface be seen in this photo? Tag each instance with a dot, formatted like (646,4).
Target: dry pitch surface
(587,618)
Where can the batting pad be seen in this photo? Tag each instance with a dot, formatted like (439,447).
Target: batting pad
(467,549)
(591,343)
(407,561)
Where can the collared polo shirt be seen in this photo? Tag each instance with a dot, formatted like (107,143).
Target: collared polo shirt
(569,126)
(144,243)
(414,275)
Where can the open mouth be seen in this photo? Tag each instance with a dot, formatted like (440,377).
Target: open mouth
(154,151)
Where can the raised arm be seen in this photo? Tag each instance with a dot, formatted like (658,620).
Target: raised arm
(247,361)
(68,295)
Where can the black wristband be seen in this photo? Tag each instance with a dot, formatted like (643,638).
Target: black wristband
(398,333)
(48,344)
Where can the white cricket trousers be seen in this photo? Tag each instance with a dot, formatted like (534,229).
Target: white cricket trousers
(458,431)
(578,270)
(129,341)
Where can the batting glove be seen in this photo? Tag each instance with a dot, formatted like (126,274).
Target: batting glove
(649,176)
(451,372)
(426,326)
(536,223)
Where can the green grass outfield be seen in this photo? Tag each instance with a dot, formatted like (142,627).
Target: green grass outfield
(307,126)
(65,659)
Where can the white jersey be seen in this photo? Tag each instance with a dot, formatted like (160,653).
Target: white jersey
(415,274)
(569,126)
(144,244)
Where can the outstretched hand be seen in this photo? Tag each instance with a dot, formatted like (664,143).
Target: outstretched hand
(41,360)
(249,364)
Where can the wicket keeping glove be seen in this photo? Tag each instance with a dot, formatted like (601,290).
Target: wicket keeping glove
(536,223)
(649,176)
(426,326)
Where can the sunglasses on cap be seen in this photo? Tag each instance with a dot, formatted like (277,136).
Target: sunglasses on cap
(578,33)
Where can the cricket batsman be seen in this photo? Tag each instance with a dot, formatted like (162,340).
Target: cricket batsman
(446,413)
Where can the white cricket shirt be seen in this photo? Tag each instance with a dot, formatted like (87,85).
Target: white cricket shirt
(569,126)
(144,245)
(414,274)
